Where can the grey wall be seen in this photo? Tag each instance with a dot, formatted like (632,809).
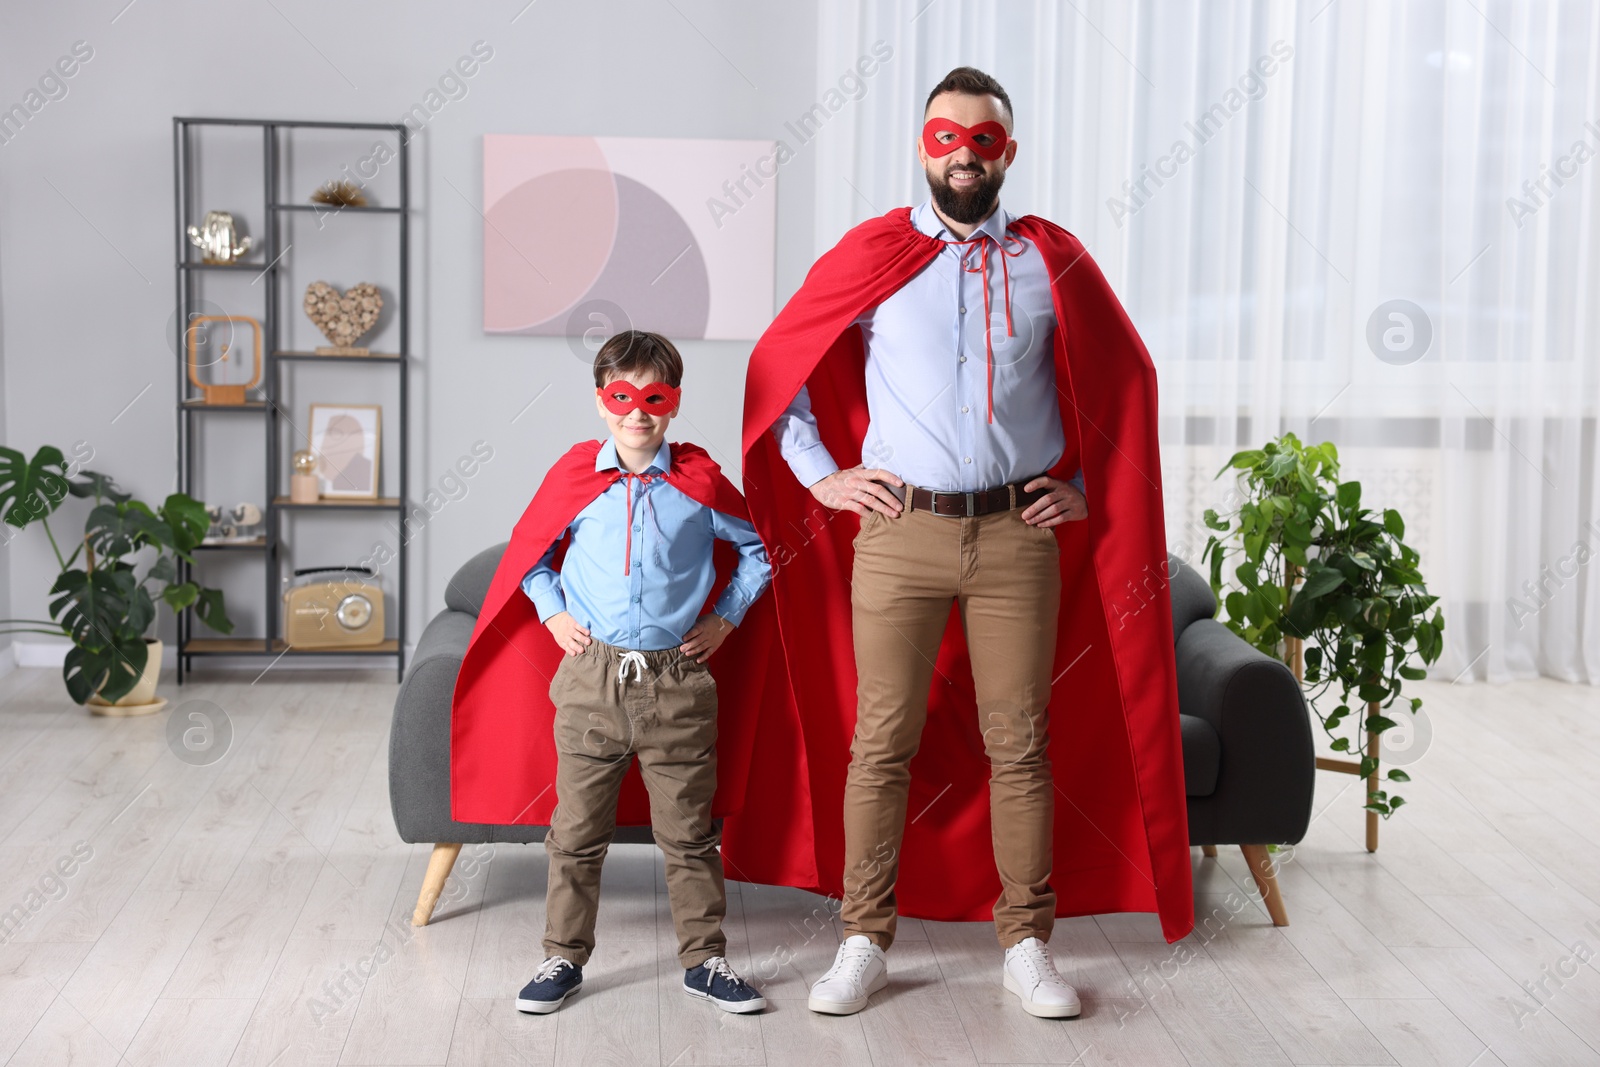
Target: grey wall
(5,562)
(86,237)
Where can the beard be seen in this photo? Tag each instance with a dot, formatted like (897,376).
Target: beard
(966,205)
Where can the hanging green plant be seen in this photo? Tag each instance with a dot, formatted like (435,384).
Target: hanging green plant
(1330,587)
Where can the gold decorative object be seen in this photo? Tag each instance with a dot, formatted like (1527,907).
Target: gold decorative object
(340,193)
(218,240)
(343,317)
(225,393)
(303,485)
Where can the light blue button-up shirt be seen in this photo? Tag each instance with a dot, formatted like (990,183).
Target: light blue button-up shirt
(926,374)
(652,606)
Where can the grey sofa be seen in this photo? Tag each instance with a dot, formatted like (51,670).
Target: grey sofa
(1248,760)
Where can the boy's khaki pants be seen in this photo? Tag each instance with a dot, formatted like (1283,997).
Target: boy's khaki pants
(663,709)
(1006,577)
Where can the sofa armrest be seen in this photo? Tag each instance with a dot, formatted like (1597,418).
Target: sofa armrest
(1267,771)
(419,738)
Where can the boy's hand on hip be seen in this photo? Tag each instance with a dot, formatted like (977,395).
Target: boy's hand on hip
(705,636)
(572,638)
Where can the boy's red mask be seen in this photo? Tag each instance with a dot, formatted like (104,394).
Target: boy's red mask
(965,135)
(658,398)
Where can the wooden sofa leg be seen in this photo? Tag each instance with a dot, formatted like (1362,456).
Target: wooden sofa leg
(439,867)
(1209,850)
(1260,863)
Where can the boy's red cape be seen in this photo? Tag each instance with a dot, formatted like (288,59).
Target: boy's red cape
(502,750)
(1121,839)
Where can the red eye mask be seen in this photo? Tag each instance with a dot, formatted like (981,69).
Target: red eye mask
(965,135)
(657,399)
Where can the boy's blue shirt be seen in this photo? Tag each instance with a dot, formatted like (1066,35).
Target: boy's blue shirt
(656,603)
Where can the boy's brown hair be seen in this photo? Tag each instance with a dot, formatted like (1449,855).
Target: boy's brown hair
(633,350)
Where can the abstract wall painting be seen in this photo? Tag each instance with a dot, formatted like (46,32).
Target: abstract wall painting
(584,236)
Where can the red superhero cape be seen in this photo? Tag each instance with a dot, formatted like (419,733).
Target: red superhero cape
(1121,834)
(502,752)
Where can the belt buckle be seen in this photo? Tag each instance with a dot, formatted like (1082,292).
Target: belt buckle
(970,497)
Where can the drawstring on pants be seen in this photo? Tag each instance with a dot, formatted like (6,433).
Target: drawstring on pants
(637,660)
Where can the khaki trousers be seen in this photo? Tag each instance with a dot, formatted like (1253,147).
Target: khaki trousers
(1005,575)
(667,717)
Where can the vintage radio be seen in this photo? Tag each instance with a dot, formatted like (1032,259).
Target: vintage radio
(342,609)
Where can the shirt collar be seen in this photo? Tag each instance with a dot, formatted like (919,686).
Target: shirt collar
(606,458)
(927,221)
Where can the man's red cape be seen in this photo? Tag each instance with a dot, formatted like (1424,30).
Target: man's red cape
(1121,833)
(502,751)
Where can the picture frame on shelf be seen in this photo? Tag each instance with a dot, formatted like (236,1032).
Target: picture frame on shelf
(346,439)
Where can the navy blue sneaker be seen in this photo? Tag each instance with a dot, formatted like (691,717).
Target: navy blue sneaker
(715,981)
(556,979)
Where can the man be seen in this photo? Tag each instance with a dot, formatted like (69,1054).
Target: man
(930,342)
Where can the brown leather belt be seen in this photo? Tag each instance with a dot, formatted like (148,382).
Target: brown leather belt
(979,502)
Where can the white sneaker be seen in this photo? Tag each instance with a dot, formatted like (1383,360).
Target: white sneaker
(859,970)
(1031,975)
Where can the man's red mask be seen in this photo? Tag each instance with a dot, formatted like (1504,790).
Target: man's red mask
(965,135)
(622,396)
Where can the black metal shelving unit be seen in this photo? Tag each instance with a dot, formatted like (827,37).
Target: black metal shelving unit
(187,272)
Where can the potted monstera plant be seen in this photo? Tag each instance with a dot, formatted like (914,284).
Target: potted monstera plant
(99,600)
(1330,587)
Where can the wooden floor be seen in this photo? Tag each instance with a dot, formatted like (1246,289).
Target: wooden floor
(255,911)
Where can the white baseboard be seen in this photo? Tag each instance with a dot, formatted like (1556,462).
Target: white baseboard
(54,654)
(40,653)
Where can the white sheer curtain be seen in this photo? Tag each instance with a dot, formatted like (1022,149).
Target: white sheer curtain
(1341,156)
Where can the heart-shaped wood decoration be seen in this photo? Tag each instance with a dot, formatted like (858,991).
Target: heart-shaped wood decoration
(343,317)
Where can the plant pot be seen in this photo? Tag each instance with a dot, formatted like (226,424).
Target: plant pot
(141,699)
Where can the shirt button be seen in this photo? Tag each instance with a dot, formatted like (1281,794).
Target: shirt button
(963,408)
(966,459)
(963,359)
(962,310)
(636,529)
(635,600)
(638,563)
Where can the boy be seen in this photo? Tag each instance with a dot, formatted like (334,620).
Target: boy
(633,679)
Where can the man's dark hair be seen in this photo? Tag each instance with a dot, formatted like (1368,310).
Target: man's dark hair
(633,350)
(972,82)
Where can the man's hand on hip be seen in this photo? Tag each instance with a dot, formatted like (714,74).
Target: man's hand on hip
(858,489)
(1062,504)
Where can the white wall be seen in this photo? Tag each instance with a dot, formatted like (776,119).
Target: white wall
(86,235)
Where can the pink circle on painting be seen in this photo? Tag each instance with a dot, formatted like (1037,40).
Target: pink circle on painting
(546,243)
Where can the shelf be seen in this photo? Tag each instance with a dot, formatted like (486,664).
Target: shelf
(376,357)
(224,646)
(335,208)
(310,124)
(259,646)
(257,267)
(381,503)
(266,267)
(201,405)
(234,546)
